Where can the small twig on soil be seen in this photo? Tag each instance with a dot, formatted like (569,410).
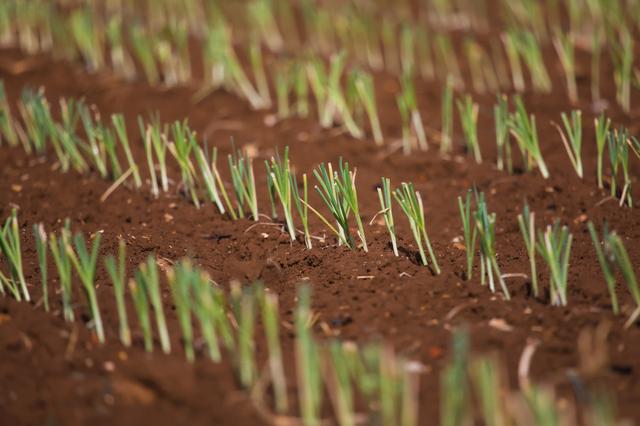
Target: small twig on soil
(456,310)
(315,237)
(115,185)
(277,225)
(604,200)
(525,362)
(632,319)
(515,275)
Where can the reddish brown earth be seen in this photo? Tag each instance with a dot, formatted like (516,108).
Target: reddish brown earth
(53,372)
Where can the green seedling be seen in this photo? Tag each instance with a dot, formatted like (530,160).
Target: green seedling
(554,246)
(526,221)
(384,195)
(469,231)
(40,237)
(85,264)
(11,250)
(117,272)
(411,203)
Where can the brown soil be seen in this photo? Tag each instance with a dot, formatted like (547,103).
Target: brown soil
(55,373)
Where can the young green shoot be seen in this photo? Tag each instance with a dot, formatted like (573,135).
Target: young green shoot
(339,386)
(88,39)
(596,62)
(446,140)
(301,88)
(10,285)
(455,401)
(411,203)
(107,139)
(602,126)
(95,149)
(240,80)
(526,221)
(486,228)
(40,237)
(607,263)
(410,393)
(405,118)
(85,265)
(336,105)
(335,201)
(141,304)
(271,191)
(307,361)
(302,206)
(207,310)
(150,283)
(554,245)
(276,366)
(257,65)
(184,139)
(448,57)
(469,230)
(388,384)
(7,130)
(541,403)
(262,18)
(145,133)
(469,118)
(613,255)
(617,250)
(121,130)
(487,380)
(159,143)
(244,184)
(530,52)
(210,177)
(572,139)
(120,58)
(246,338)
(58,246)
(65,141)
(390,42)
(283,84)
(366,91)
(10,248)
(143,49)
(501,118)
(36,116)
(318,81)
(179,279)
(218,179)
(386,206)
(222,321)
(565,48)
(511,49)
(408,105)
(407,47)
(523,128)
(346,182)
(117,272)
(622,58)
(279,178)
(618,142)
